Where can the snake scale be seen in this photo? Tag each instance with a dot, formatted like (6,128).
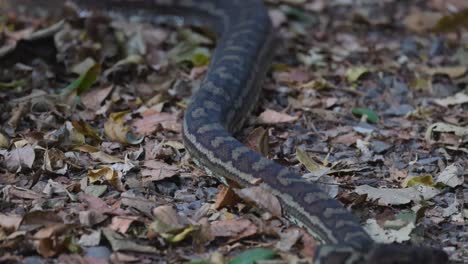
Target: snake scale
(228,92)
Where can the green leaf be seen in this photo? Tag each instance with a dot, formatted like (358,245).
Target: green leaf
(307,161)
(371,116)
(426,180)
(85,81)
(299,14)
(96,190)
(252,255)
(12,84)
(187,52)
(353,74)
(72,245)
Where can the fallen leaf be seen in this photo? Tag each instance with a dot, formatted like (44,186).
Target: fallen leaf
(93,99)
(115,129)
(55,161)
(458,99)
(51,230)
(381,235)
(251,256)
(189,52)
(451,176)
(452,71)
(370,115)
(272,117)
(169,216)
(258,141)
(95,190)
(389,196)
(19,158)
(151,120)
(288,239)
(445,128)
(156,170)
(85,129)
(230,227)
(105,158)
(259,196)
(85,81)
(90,240)
(121,224)
(4,142)
(421,21)
(120,243)
(452,22)
(91,217)
(10,223)
(353,74)
(412,181)
(11,192)
(226,197)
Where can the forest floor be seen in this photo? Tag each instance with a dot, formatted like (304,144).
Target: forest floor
(367,98)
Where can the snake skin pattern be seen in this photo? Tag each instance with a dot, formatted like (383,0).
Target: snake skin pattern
(228,92)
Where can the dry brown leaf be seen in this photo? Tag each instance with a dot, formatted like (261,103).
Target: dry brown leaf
(152,119)
(10,222)
(55,161)
(19,158)
(273,117)
(452,71)
(261,197)
(168,215)
(157,170)
(52,230)
(91,217)
(346,139)
(11,192)
(121,224)
(226,197)
(421,21)
(93,98)
(230,228)
(457,99)
(105,158)
(258,141)
(115,128)
(292,76)
(288,239)
(47,247)
(95,203)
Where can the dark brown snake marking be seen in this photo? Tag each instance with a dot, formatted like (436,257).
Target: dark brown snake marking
(227,94)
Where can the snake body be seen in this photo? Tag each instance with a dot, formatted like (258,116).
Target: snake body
(228,92)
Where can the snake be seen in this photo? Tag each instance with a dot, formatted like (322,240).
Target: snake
(217,110)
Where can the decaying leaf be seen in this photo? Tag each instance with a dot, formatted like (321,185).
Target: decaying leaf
(451,176)
(445,128)
(155,170)
(253,255)
(120,243)
(262,198)
(273,117)
(387,235)
(353,74)
(151,120)
(116,129)
(457,99)
(258,141)
(388,196)
(19,158)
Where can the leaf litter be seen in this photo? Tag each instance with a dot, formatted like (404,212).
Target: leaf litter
(371,104)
